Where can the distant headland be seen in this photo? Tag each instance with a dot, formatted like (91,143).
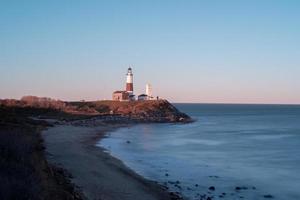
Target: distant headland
(124,104)
(131,111)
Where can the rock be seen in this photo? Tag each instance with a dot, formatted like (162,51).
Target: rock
(175,196)
(241,188)
(172,193)
(213,176)
(178,186)
(212,188)
(268,196)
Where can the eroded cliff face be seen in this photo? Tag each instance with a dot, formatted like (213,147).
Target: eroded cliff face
(152,111)
(141,111)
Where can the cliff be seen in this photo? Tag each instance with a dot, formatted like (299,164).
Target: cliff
(144,111)
(139,111)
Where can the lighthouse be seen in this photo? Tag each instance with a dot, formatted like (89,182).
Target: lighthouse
(129,81)
(149,91)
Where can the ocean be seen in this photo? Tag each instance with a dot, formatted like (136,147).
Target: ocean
(229,152)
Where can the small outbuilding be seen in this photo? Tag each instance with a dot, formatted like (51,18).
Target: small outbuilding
(142,97)
(120,96)
(131,97)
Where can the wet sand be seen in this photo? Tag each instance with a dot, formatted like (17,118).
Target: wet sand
(95,172)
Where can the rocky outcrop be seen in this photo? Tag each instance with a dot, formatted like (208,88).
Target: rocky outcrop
(138,111)
(141,111)
(157,111)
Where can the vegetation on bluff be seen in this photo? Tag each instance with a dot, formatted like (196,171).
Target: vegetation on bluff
(24,170)
(140,111)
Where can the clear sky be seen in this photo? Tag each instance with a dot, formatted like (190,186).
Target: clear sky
(190,51)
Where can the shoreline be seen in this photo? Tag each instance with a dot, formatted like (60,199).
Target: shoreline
(70,156)
(99,175)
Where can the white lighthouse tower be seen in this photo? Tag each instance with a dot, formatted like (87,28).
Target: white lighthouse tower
(149,91)
(129,81)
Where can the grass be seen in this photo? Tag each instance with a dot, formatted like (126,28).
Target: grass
(24,170)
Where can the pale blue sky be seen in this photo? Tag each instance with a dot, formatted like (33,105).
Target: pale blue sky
(190,51)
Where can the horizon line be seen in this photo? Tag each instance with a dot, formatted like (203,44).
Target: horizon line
(239,103)
(223,103)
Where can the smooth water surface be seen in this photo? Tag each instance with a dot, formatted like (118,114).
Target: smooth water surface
(254,147)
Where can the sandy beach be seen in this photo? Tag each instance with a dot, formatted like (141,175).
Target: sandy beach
(97,174)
